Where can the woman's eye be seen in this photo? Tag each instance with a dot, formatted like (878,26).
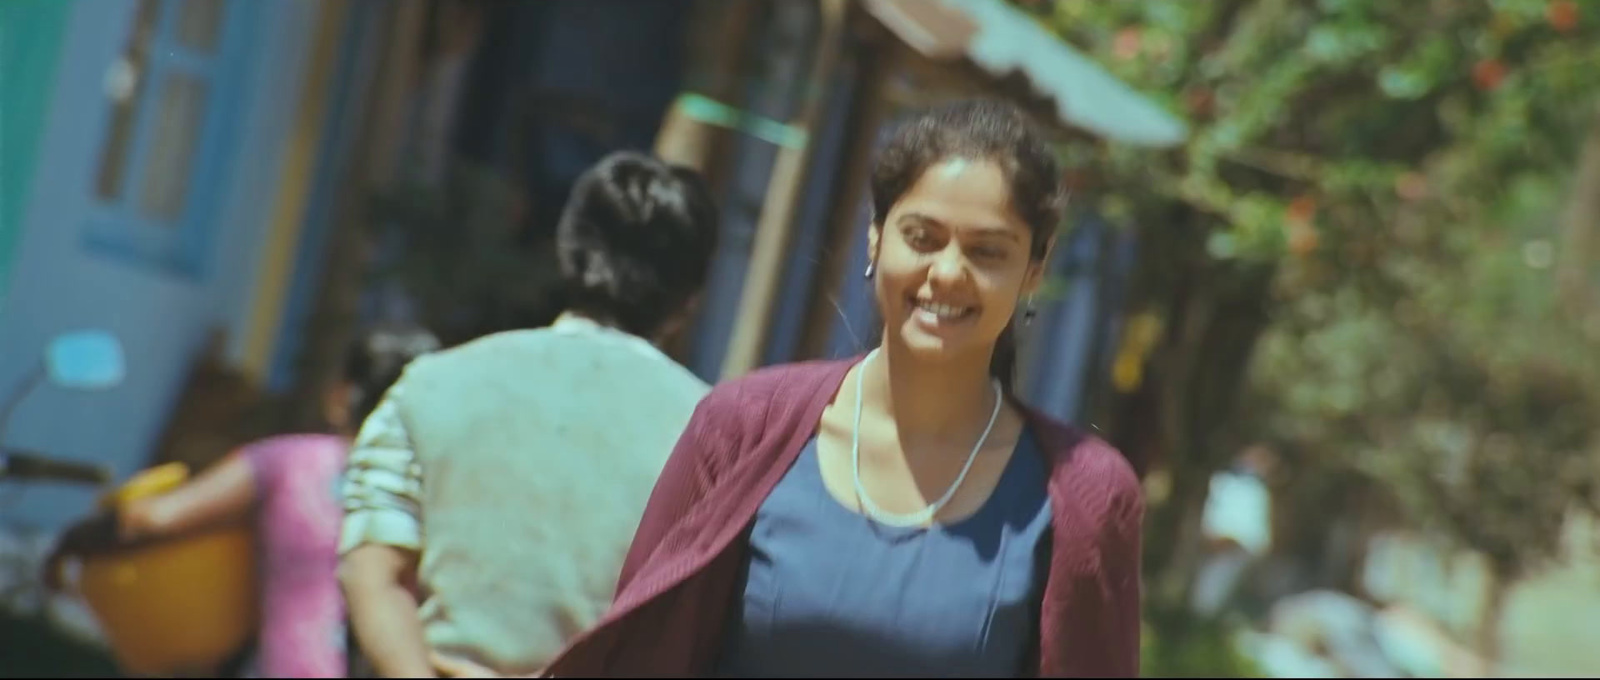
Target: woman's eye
(919,239)
(990,253)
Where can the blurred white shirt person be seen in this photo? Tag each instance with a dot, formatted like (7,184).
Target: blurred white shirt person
(504,479)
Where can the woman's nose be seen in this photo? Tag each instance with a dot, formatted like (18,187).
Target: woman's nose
(949,265)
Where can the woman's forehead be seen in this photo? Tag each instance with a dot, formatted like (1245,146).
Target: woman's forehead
(962,194)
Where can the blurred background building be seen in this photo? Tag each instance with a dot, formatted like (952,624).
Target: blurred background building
(232,187)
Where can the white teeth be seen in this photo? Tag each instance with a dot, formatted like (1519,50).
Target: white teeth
(942,310)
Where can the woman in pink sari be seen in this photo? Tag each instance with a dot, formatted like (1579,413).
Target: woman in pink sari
(287,485)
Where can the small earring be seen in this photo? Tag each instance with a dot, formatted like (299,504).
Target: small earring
(872,268)
(1028,312)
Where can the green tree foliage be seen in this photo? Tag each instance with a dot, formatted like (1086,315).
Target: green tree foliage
(1397,172)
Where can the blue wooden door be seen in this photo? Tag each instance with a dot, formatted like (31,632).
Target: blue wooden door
(119,224)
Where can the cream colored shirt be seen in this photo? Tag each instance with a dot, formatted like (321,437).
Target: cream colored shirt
(518,465)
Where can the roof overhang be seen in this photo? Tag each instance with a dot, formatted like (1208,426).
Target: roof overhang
(1001,45)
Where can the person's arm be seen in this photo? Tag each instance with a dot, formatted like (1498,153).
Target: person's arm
(1123,548)
(452,667)
(380,544)
(383,610)
(1095,623)
(1121,541)
(223,494)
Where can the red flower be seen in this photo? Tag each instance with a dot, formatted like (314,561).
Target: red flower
(1200,101)
(1301,209)
(1411,186)
(1297,217)
(1488,73)
(1303,240)
(1562,15)
(1127,43)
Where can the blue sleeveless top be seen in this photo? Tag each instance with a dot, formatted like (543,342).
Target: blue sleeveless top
(829,592)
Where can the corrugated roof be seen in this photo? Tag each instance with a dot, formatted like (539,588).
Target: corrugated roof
(1003,41)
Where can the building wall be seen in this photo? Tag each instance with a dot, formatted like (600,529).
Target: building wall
(783,51)
(353,70)
(30,45)
(63,279)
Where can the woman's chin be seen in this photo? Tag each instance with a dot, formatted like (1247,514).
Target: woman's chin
(932,347)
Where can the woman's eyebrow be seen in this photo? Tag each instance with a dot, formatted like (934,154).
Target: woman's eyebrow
(994,232)
(919,218)
(984,231)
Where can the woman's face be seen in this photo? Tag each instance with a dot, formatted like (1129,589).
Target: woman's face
(952,261)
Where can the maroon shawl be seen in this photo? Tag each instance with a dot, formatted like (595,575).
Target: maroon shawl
(681,574)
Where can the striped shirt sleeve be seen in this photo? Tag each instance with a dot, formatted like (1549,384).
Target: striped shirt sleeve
(382,484)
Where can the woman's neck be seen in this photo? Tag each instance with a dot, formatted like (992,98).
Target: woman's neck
(929,402)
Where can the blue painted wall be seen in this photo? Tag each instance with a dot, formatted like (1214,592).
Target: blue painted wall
(162,317)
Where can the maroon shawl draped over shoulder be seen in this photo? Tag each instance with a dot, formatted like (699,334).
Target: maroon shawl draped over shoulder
(681,574)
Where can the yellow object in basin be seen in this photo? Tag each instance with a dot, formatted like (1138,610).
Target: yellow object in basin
(178,606)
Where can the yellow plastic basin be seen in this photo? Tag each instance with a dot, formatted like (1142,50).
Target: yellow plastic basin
(179,606)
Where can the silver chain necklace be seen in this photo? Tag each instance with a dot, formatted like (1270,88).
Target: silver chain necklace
(923,516)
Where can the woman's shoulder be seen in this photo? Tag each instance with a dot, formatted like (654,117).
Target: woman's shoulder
(1085,467)
(296,455)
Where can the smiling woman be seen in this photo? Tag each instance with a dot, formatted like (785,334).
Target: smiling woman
(971,197)
(902,514)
